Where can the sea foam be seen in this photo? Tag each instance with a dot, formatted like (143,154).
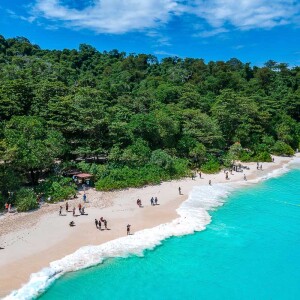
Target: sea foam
(193,216)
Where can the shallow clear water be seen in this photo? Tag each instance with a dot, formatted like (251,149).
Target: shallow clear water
(251,250)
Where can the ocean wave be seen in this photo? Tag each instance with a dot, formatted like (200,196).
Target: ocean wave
(193,216)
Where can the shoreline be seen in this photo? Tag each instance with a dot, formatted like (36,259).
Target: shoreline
(48,237)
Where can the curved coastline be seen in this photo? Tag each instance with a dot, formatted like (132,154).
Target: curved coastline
(193,216)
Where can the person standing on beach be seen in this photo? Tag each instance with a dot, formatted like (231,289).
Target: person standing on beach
(200,174)
(209,182)
(257,166)
(79,208)
(152,201)
(155,200)
(179,190)
(245,178)
(261,167)
(84,197)
(227,177)
(60,209)
(105,224)
(99,223)
(74,211)
(96,223)
(128,229)
(67,206)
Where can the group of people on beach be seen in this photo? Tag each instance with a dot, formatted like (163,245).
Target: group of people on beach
(259,167)
(194,175)
(81,209)
(98,223)
(153,202)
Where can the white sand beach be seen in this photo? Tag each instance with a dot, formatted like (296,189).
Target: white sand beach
(32,240)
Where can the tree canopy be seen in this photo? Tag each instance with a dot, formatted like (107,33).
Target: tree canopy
(136,110)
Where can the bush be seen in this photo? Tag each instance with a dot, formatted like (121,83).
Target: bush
(246,156)
(124,177)
(161,159)
(281,148)
(2,202)
(26,200)
(211,166)
(263,157)
(58,188)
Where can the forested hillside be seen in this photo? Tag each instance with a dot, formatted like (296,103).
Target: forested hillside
(151,119)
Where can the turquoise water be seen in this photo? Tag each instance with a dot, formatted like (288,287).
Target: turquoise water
(251,250)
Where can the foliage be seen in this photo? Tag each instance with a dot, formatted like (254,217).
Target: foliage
(211,166)
(32,146)
(263,156)
(2,202)
(246,156)
(26,200)
(233,154)
(162,160)
(198,154)
(123,177)
(133,113)
(58,188)
(10,180)
(281,148)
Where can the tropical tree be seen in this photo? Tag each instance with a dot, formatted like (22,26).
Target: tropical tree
(34,147)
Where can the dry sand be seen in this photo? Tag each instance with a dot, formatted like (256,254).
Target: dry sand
(32,240)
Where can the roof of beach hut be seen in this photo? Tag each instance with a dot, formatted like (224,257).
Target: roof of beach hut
(84,175)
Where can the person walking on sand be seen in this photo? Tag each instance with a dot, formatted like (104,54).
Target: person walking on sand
(152,201)
(155,200)
(60,209)
(99,223)
(96,223)
(67,206)
(257,166)
(79,208)
(200,174)
(74,211)
(128,229)
(179,190)
(227,177)
(105,224)
(261,167)
(84,197)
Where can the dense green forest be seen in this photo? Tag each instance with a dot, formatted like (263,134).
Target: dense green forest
(131,119)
